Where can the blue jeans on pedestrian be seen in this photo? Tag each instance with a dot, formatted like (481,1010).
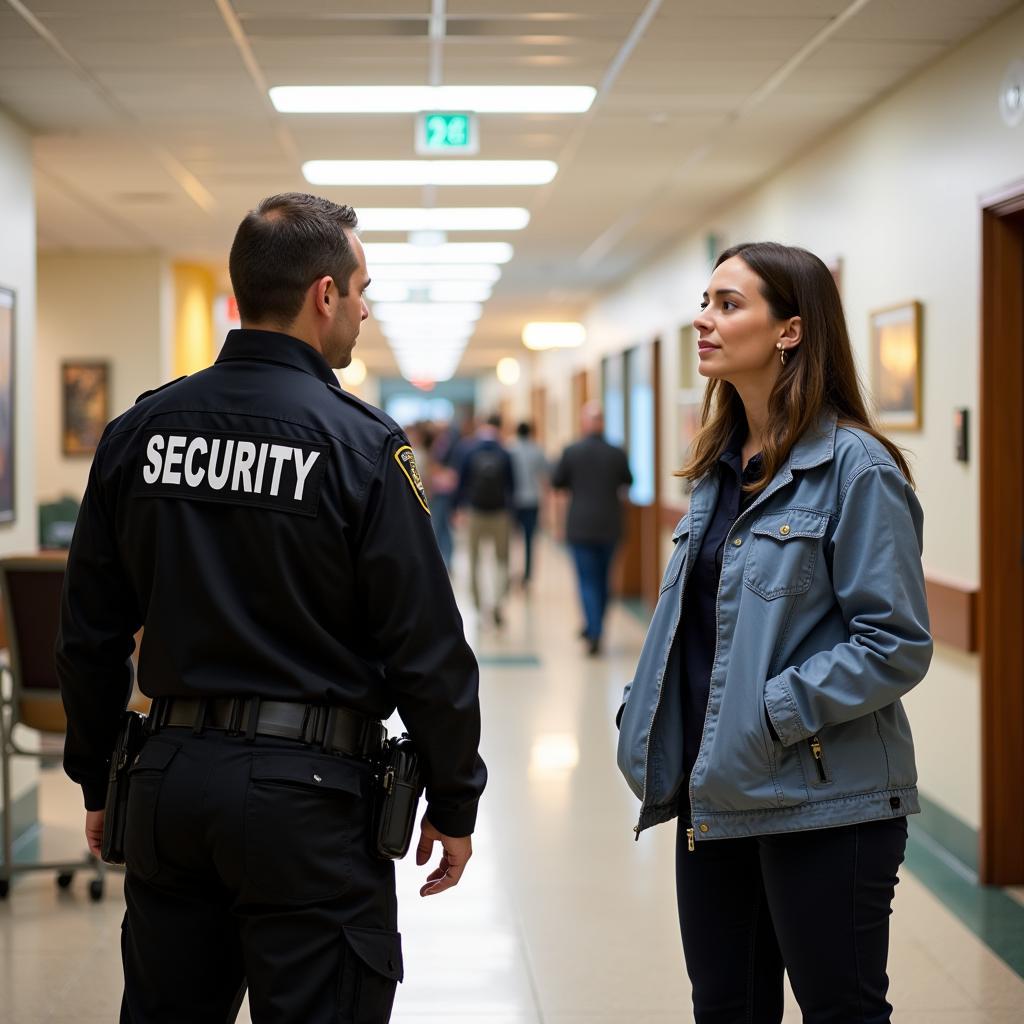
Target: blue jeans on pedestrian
(593,565)
(526,517)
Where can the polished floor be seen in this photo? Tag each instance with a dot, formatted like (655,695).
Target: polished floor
(561,917)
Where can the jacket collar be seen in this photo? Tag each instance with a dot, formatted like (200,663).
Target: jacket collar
(817,445)
(272,347)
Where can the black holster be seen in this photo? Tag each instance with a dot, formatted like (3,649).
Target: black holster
(398,793)
(129,742)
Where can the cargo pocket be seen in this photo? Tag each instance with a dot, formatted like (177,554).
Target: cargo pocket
(371,969)
(303,813)
(146,778)
(784,552)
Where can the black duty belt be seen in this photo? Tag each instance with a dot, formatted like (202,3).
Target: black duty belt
(334,730)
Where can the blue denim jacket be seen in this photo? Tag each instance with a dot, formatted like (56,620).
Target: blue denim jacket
(822,623)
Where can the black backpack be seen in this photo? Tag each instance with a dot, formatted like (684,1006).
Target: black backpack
(488,480)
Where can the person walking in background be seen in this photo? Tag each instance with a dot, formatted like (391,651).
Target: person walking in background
(765,710)
(486,486)
(530,472)
(594,473)
(441,481)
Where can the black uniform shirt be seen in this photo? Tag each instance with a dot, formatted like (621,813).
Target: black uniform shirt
(595,472)
(272,534)
(698,622)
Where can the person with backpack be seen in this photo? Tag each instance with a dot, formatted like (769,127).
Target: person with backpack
(486,487)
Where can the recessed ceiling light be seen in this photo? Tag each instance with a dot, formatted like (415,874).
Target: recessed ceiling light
(449,252)
(429,172)
(406,273)
(411,99)
(498,218)
(428,312)
(544,335)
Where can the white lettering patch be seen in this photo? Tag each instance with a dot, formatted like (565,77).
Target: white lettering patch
(267,472)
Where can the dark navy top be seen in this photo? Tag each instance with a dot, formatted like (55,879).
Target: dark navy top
(697,625)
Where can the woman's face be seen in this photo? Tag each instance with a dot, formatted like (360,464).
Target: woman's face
(736,331)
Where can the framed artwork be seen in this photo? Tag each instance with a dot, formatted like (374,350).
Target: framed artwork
(85,400)
(6,405)
(896,366)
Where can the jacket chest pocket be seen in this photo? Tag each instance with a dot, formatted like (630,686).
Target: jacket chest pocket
(681,539)
(783,553)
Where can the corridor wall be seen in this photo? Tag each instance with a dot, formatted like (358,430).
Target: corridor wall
(895,195)
(109,307)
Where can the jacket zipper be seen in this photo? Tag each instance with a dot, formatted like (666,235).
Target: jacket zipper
(819,759)
(764,496)
(661,692)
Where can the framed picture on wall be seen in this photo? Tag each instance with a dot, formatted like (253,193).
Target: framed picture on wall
(896,366)
(6,405)
(85,401)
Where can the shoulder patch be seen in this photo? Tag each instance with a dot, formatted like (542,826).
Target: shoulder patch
(153,391)
(406,459)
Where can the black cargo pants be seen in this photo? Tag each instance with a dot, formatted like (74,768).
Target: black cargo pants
(249,863)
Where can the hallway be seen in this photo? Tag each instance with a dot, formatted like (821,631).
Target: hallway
(561,917)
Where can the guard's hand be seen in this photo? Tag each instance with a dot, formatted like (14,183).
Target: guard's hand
(94,830)
(456,851)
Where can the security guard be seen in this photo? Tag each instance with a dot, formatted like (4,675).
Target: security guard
(272,535)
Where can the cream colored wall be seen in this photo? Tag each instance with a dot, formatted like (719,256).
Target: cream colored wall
(95,306)
(896,196)
(18,271)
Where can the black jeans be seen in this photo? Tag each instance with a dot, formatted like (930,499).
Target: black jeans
(815,904)
(250,863)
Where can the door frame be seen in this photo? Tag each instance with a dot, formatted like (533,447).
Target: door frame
(1001,600)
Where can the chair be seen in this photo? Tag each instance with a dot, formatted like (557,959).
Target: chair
(30,591)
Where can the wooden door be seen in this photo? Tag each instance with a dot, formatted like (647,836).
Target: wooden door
(1001,610)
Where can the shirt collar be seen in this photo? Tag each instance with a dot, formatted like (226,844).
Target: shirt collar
(274,347)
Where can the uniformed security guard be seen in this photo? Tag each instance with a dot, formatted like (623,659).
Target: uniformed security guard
(272,534)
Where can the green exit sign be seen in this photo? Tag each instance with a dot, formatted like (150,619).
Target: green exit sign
(444,134)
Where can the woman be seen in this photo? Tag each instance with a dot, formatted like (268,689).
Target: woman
(765,712)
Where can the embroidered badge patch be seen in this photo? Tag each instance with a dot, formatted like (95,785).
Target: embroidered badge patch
(406,460)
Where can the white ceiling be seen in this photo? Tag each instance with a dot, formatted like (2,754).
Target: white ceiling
(153,130)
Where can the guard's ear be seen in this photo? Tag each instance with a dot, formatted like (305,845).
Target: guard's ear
(322,297)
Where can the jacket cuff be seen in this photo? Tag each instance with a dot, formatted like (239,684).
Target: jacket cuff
(95,793)
(456,824)
(782,712)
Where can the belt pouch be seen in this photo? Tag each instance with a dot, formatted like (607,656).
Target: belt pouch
(129,742)
(398,795)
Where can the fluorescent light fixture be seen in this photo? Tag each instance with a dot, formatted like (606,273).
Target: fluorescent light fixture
(440,291)
(428,312)
(507,371)
(401,329)
(390,291)
(450,252)
(411,99)
(460,291)
(459,218)
(429,172)
(539,336)
(407,273)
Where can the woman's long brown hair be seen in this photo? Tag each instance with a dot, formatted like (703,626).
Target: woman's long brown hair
(818,376)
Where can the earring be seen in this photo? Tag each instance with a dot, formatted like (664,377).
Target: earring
(782,352)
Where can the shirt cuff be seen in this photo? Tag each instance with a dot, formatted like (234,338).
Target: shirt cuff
(456,824)
(95,793)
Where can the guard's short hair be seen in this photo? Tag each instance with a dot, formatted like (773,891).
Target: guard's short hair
(282,247)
